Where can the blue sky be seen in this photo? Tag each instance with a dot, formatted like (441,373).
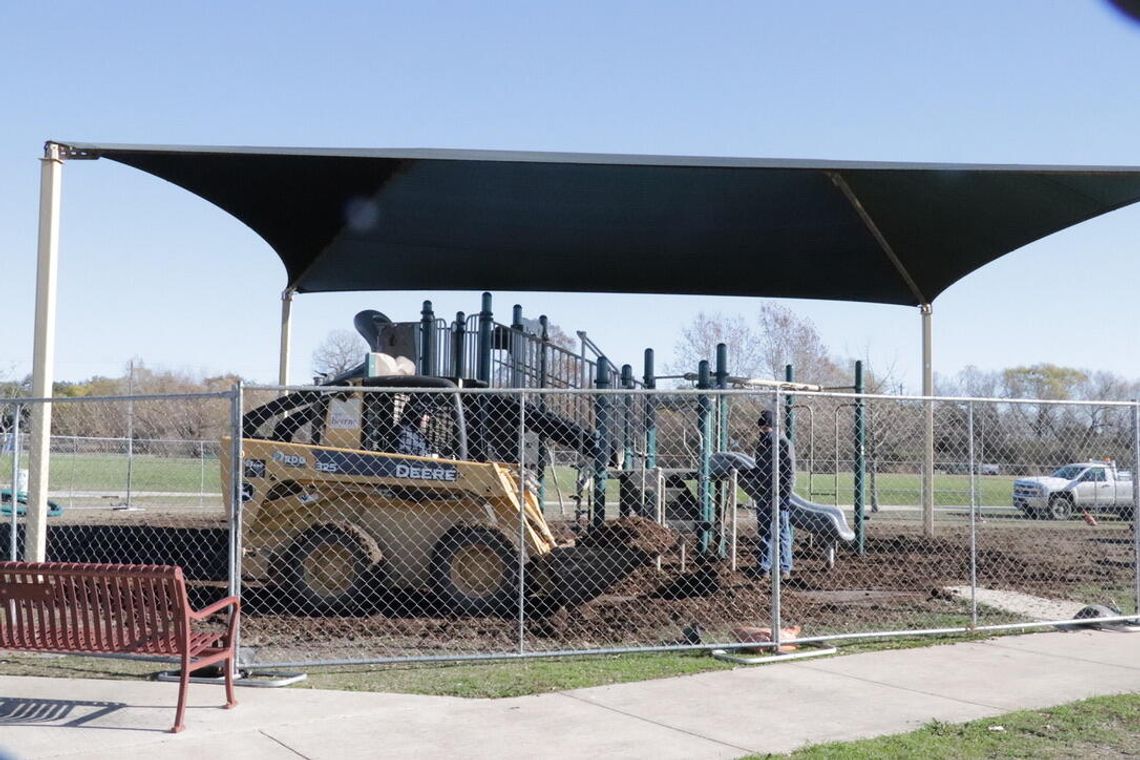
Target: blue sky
(148,270)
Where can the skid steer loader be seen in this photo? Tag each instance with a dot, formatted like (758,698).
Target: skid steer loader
(331,512)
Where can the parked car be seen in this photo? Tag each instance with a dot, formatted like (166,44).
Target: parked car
(1091,486)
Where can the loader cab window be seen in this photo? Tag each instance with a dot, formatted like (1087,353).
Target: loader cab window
(378,422)
(296,418)
(432,416)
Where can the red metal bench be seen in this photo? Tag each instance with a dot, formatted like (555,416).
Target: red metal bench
(113,609)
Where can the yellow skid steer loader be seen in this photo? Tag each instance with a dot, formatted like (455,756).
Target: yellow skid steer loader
(332,510)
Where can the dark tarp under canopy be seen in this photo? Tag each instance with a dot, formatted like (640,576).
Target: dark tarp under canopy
(894,233)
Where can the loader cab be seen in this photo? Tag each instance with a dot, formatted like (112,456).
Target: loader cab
(436,416)
(372,418)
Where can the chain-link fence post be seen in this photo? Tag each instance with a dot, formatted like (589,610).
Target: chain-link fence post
(1136,504)
(859,467)
(774,535)
(130,433)
(973,516)
(201,473)
(236,478)
(74,467)
(522,520)
(14,500)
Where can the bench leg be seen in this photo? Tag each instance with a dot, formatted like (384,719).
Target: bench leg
(183,687)
(230,664)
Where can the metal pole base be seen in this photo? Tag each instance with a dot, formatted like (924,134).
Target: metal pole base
(241,678)
(814,649)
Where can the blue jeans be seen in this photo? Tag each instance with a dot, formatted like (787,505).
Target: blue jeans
(764,529)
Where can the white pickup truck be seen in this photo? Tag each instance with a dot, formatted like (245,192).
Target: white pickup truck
(1092,486)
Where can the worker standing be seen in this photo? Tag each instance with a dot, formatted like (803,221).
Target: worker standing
(762,477)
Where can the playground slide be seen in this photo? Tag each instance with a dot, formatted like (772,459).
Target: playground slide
(823,520)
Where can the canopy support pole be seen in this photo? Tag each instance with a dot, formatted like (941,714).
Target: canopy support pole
(286,335)
(927,371)
(43,356)
(928,422)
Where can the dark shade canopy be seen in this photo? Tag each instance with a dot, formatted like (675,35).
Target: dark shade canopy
(472,220)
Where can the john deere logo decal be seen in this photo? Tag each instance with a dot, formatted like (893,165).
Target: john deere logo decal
(378,466)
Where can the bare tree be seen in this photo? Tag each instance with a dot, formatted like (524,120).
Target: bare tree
(556,334)
(340,351)
(779,337)
(698,341)
(786,338)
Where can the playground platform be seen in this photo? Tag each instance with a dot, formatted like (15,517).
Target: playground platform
(725,714)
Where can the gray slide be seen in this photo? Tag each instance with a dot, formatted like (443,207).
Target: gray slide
(826,522)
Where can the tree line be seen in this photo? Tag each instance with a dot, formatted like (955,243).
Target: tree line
(1012,435)
(109,414)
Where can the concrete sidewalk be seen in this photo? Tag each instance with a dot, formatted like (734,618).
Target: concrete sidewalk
(725,714)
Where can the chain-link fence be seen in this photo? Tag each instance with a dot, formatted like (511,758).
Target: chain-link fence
(131,479)
(411,522)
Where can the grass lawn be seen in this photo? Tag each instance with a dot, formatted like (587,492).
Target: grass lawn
(492,679)
(893,488)
(108,472)
(1093,728)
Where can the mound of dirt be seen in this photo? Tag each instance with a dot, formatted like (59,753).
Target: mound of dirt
(637,533)
(601,558)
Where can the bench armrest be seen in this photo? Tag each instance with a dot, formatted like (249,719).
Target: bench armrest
(218,606)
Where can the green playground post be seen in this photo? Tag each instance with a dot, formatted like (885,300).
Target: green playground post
(627,413)
(426,364)
(789,412)
(704,423)
(543,453)
(486,327)
(458,341)
(722,399)
(601,440)
(517,347)
(650,380)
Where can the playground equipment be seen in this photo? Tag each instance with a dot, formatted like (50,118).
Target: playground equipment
(825,522)
(54,509)
(709,509)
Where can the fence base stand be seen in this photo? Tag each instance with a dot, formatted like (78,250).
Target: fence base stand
(1124,626)
(812,649)
(241,678)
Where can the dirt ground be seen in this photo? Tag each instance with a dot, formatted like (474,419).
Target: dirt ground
(630,584)
(626,600)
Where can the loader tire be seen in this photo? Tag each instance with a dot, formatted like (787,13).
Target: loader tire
(475,571)
(330,568)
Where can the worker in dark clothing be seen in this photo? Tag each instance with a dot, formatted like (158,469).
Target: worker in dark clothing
(762,477)
(410,432)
